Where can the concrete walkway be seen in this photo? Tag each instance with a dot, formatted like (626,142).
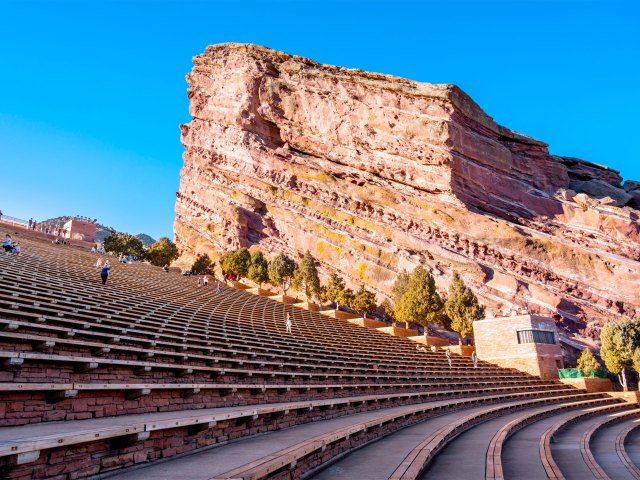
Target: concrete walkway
(633,447)
(215,461)
(520,454)
(380,459)
(603,447)
(565,449)
(465,457)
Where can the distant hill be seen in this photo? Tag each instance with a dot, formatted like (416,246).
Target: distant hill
(102,231)
(146,240)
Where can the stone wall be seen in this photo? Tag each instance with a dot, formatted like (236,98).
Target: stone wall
(497,342)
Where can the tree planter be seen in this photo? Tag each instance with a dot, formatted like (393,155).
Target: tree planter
(312,307)
(367,322)
(284,299)
(397,331)
(463,350)
(590,384)
(261,292)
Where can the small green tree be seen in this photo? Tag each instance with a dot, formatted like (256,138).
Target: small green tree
(387,311)
(331,291)
(364,301)
(620,340)
(281,270)
(587,363)
(224,260)
(400,286)
(202,265)
(462,308)
(162,253)
(421,302)
(112,243)
(345,297)
(635,361)
(306,277)
(236,262)
(259,269)
(125,244)
(242,262)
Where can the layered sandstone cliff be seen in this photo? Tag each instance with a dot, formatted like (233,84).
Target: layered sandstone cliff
(375,174)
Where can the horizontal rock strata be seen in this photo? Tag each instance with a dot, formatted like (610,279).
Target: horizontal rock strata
(375,174)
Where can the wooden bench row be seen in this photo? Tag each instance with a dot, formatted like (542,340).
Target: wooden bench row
(546,456)
(419,458)
(293,456)
(585,440)
(494,469)
(114,343)
(129,329)
(621,440)
(25,439)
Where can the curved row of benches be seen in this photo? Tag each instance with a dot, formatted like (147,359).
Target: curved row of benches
(96,378)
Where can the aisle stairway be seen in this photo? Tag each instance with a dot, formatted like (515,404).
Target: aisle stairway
(97,379)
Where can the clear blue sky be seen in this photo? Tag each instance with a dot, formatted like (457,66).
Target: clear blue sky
(92,92)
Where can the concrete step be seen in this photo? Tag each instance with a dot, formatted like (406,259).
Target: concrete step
(603,448)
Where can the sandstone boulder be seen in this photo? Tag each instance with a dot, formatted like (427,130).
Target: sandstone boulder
(375,174)
(605,192)
(630,185)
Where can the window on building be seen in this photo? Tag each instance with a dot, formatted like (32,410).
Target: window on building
(536,336)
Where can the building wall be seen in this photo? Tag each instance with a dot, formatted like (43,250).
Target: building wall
(497,342)
(80,230)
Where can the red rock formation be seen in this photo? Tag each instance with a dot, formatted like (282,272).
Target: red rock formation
(375,174)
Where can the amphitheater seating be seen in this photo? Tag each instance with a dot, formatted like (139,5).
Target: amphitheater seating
(98,378)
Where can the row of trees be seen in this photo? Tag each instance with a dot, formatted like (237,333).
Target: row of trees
(161,253)
(282,271)
(415,298)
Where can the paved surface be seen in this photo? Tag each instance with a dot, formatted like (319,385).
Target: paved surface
(632,447)
(517,465)
(603,447)
(565,449)
(215,461)
(379,460)
(465,457)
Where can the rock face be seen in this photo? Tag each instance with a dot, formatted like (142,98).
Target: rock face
(375,174)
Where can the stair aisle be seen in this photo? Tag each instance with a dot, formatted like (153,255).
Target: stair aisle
(603,447)
(465,458)
(565,449)
(520,454)
(215,462)
(380,459)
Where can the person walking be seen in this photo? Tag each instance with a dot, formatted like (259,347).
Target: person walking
(205,280)
(218,287)
(289,323)
(448,354)
(104,273)
(474,357)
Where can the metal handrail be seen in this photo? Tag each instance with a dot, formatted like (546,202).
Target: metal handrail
(14,220)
